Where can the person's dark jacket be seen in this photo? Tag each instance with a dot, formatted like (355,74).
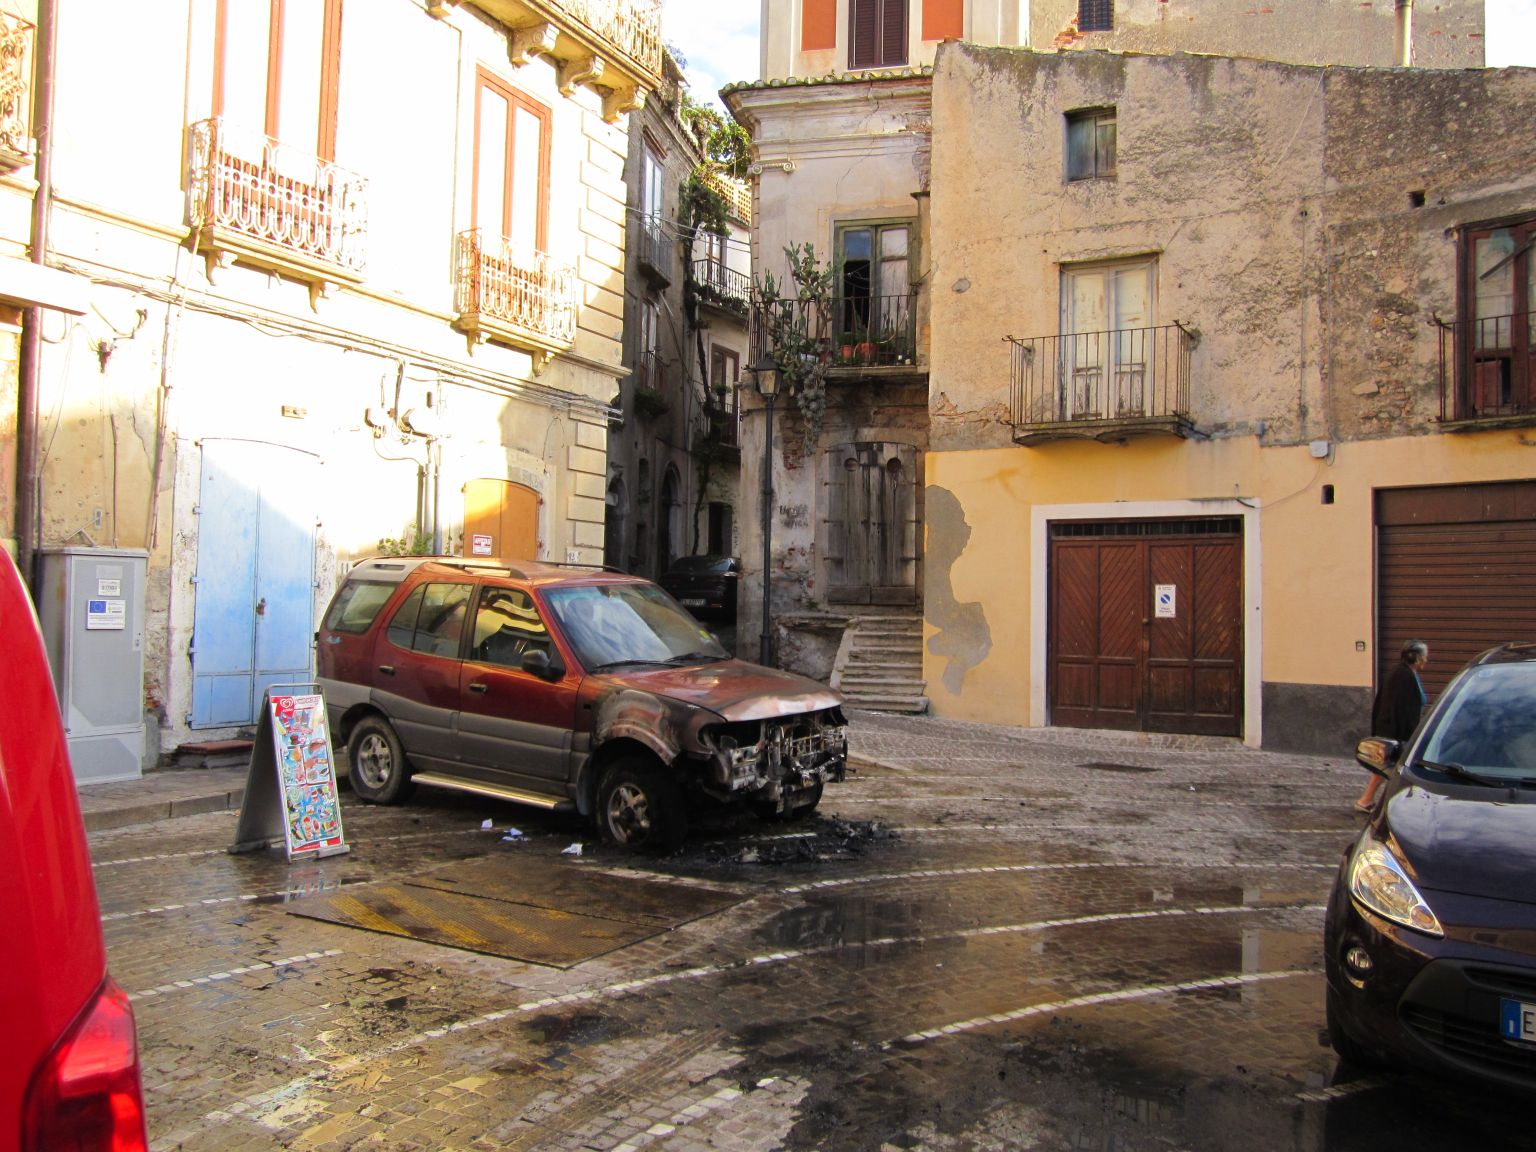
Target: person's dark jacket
(1398,704)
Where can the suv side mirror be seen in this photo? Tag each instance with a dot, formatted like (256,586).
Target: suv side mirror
(1378,754)
(537,662)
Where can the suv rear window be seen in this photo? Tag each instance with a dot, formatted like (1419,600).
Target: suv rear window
(356,605)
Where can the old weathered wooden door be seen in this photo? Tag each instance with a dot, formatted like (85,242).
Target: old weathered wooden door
(871,524)
(1145,624)
(501,519)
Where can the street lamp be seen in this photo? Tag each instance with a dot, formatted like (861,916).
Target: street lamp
(765,376)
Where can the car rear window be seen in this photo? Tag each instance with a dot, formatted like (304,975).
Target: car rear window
(357,606)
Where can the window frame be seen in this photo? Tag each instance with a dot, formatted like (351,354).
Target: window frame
(1520,353)
(1098,117)
(886,46)
(330,72)
(485,79)
(845,322)
(1095,15)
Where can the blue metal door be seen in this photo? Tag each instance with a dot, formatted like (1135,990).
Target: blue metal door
(254,590)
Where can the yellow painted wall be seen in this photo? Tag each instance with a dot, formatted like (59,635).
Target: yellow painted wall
(1314,565)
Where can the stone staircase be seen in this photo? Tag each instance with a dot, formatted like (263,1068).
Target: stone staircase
(879,663)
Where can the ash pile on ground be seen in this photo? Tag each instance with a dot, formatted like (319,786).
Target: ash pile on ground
(812,841)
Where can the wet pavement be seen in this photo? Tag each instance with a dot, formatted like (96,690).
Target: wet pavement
(988,938)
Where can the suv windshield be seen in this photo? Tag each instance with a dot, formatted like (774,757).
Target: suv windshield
(1489,725)
(611,624)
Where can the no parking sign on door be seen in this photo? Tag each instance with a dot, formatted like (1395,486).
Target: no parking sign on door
(1166,597)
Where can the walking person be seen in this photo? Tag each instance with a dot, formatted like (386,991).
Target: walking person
(1399,704)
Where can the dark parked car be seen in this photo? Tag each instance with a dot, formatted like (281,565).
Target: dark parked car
(1430,944)
(705,585)
(564,687)
(69,1060)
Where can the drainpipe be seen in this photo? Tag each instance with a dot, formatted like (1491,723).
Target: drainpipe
(28,365)
(1404,33)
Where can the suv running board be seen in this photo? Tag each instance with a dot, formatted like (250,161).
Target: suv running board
(499,791)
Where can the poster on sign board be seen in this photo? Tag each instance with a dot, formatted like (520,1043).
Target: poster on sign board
(291,788)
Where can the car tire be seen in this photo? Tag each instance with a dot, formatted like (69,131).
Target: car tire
(1349,1050)
(640,808)
(379,773)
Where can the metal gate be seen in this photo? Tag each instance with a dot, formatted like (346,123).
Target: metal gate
(1456,567)
(1146,625)
(872,519)
(253,614)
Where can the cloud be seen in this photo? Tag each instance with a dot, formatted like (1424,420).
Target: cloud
(718,38)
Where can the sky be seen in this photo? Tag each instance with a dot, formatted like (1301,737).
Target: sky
(719,38)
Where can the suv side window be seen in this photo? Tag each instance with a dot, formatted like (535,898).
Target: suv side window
(508,627)
(431,619)
(356,605)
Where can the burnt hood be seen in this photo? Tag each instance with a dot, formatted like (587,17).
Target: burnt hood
(1467,839)
(735,689)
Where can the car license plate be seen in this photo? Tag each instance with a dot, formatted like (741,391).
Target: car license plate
(693,601)
(1517,1021)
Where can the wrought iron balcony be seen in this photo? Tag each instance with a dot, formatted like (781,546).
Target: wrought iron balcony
(721,286)
(255,199)
(655,251)
(1488,370)
(1102,385)
(520,298)
(873,332)
(15,91)
(610,46)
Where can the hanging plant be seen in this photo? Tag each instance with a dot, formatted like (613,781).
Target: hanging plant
(795,316)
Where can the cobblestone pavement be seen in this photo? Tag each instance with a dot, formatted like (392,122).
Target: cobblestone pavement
(989,938)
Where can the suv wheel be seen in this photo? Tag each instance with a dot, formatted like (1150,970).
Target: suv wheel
(638,807)
(379,772)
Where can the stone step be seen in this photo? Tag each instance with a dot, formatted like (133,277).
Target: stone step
(884,659)
(913,704)
(902,684)
(895,628)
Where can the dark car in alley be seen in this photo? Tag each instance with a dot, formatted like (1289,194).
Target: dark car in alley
(705,585)
(564,687)
(69,1063)
(1430,938)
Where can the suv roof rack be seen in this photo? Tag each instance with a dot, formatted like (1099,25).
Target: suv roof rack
(405,564)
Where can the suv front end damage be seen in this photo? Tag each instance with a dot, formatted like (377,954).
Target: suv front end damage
(779,756)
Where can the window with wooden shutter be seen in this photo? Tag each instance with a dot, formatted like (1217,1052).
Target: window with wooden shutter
(877,33)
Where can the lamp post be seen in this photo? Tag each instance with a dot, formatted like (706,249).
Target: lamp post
(765,375)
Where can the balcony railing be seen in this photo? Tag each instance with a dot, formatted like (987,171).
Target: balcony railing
(655,250)
(274,205)
(873,331)
(722,286)
(15,91)
(1488,368)
(524,298)
(631,26)
(1105,385)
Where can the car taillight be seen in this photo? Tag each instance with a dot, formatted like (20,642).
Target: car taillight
(85,1096)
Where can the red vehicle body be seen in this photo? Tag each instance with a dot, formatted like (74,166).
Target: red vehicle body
(69,1065)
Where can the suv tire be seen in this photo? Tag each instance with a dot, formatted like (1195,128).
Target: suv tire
(379,773)
(640,808)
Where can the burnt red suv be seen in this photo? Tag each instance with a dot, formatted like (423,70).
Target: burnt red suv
(564,687)
(69,1061)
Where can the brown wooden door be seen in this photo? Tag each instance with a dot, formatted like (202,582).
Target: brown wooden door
(1119,659)
(501,519)
(871,528)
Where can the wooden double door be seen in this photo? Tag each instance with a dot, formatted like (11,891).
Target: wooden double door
(1146,626)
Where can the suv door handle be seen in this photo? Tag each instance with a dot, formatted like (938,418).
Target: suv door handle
(479,687)
(387,669)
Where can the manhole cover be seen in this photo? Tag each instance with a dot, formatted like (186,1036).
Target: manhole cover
(544,913)
(1096,765)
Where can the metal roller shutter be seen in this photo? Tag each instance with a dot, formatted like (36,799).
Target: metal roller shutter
(1456,567)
